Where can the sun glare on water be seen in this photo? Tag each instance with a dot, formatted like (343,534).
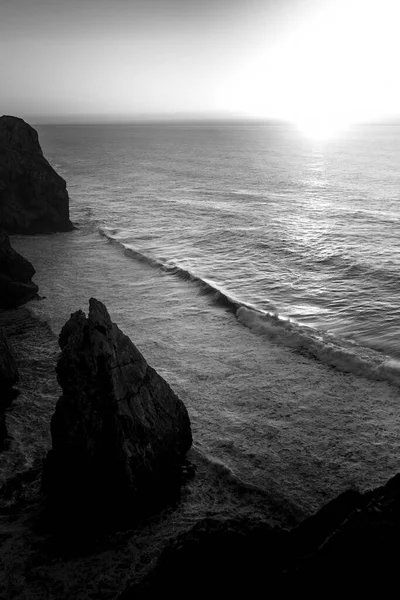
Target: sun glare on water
(334,68)
(321,128)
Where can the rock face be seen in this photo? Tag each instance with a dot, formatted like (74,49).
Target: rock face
(347,546)
(16,272)
(358,549)
(216,558)
(8,377)
(8,366)
(119,433)
(33,197)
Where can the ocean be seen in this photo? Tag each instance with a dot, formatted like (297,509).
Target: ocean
(258,272)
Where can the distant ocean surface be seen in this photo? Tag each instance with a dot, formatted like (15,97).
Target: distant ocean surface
(305,230)
(212,245)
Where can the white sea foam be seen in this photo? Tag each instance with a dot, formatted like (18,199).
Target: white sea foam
(168,266)
(274,419)
(346,356)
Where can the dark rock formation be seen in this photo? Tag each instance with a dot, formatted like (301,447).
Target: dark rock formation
(350,545)
(217,558)
(16,272)
(8,377)
(359,550)
(119,433)
(8,366)
(33,197)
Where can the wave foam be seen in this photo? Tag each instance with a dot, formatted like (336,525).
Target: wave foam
(347,356)
(207,287)
(344,355)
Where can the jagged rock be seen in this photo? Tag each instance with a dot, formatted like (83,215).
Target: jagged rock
(119,433)
(361,549)
(16,272)
(3,428)
(8,367)
(8,377)
(33,197)
(348,546)
(216,558)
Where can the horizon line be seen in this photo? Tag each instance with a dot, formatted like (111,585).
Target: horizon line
(105,119)
(179,119)
(182,121)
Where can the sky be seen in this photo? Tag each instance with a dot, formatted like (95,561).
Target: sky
(315,62)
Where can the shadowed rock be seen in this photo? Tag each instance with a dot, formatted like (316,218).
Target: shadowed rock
(16,272)
(348,546)
(8,377)
(361,549)
(8,366)
(216,558)
(33,197)
(119,433)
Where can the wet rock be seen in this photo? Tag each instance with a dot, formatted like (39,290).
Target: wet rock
(348,547)
(216,558)
(313,532)
(33,197)
(16,286)
(8,377)
(8,366)
(119,433)
(359,551)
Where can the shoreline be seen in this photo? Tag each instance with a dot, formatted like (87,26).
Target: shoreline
(37,565)
(28,417)
(277,418)
(34,564)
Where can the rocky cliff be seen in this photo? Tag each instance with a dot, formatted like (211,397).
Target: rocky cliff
(119,433)
(211,547)
(33,197)
(346,549)
(8,377)
(16,272)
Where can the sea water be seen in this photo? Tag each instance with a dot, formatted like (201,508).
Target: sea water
(258,272)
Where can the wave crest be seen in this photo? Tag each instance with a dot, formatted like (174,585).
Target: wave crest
(347,356)
(207,286)
(344,355)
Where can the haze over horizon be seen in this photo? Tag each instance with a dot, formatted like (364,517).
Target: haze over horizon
(314,62)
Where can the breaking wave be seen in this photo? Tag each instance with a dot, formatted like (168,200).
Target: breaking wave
(169,267)
(345,355)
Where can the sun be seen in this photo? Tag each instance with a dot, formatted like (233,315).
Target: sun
(335,69)
(321,128)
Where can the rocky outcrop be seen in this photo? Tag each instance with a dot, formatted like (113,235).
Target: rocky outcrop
(348,546)
(16,272)
(216,558)
(8,377)
(33,197)
(359,550)
(8,366)
(119,433)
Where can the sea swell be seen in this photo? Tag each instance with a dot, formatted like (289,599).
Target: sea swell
(344,355)
(385,274)
(206,286)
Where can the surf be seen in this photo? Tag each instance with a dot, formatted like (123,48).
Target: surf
(345,355)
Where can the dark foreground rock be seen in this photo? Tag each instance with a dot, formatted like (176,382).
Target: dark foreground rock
(33,197)
(8,377)
(8,366)
(349,547)
(16,272)
(119,433)
(358,552)
(217,558)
